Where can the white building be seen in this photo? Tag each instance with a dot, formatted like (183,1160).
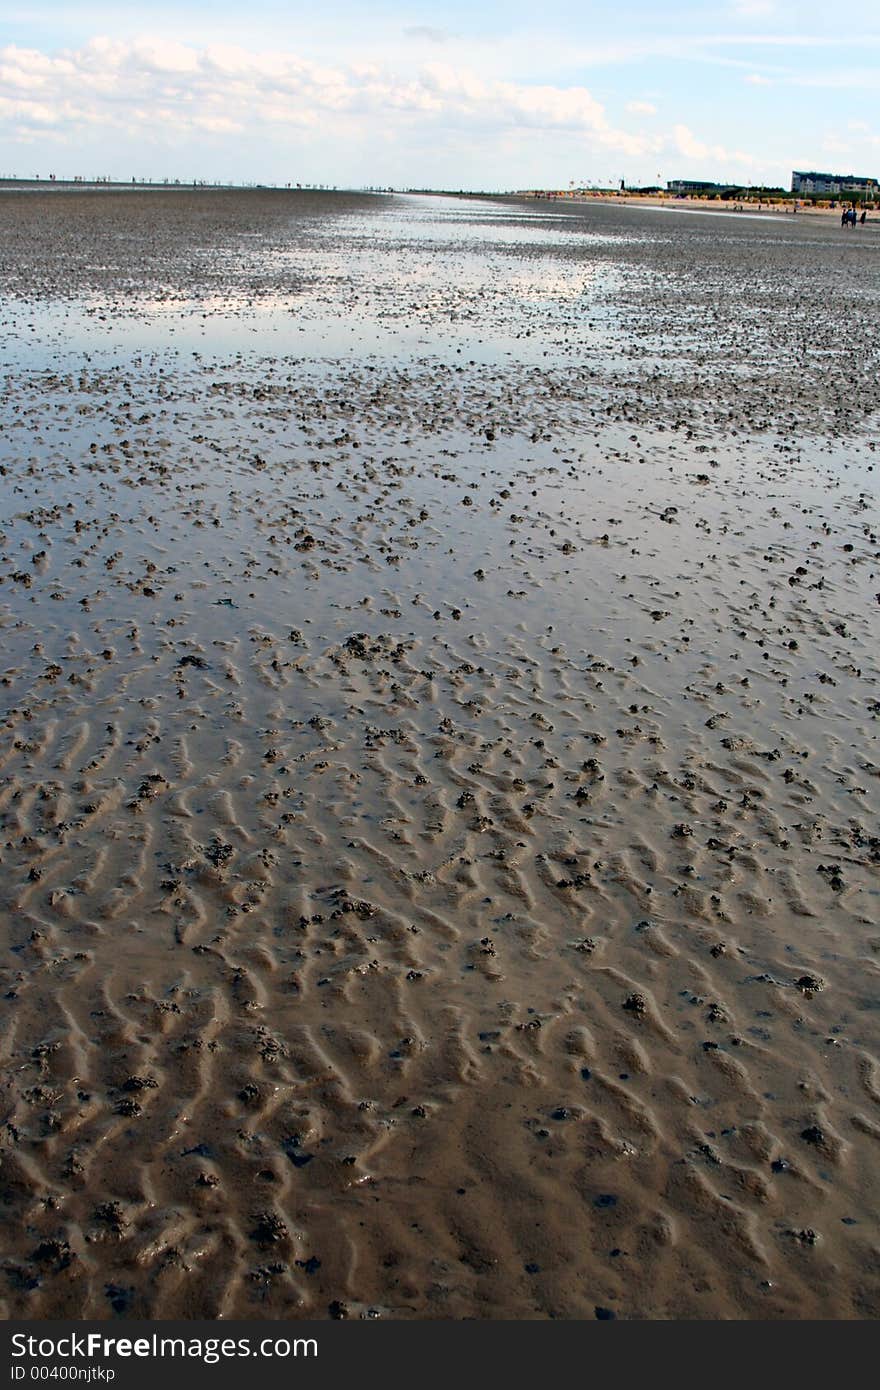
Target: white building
(832,185)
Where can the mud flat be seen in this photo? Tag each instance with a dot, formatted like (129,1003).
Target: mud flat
(439,761)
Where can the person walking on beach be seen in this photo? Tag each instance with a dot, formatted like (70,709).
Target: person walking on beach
(864,216)
(844,218)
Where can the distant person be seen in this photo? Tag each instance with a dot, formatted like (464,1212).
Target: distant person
(844,218)
(864,216)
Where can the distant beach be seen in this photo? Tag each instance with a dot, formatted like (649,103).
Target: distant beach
(741,207)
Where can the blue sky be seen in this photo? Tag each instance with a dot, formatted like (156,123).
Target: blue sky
(480,95)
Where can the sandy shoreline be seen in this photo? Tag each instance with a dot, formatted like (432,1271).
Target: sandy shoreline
(438,779)
(710,205)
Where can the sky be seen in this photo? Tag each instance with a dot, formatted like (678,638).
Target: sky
(488,94)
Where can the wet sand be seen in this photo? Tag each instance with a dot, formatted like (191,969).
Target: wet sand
(439,762)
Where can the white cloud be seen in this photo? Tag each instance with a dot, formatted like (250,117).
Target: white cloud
(754,9)
(756,80)
(223,88)
(691,147)
(832,145)
(427,33)
(641,108)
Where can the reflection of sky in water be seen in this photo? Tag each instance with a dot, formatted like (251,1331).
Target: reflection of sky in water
(417,277)
(447,220)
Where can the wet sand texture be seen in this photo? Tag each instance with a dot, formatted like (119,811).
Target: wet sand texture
(438,779)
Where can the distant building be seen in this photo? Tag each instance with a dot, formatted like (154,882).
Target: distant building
(832,184)
(694,186)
